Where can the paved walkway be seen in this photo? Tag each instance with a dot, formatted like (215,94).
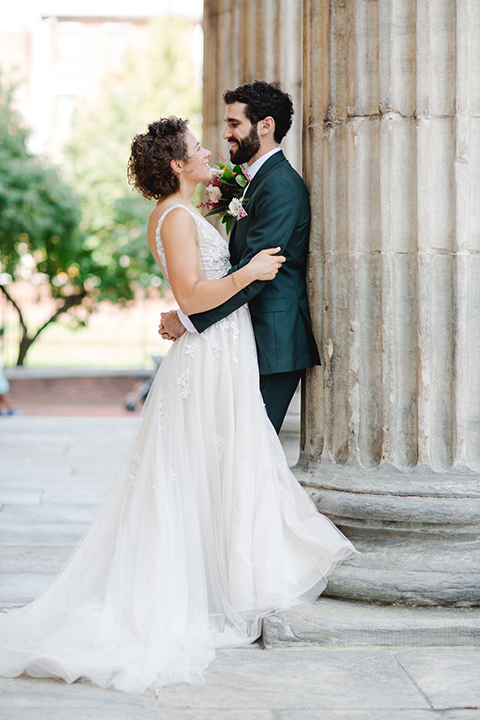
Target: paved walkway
(53,472)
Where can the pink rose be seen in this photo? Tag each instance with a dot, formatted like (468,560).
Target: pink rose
(214,193)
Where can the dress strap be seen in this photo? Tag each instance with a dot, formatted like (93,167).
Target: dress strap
(201,268)
(165,212)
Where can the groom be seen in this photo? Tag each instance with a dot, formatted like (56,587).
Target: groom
(258,116)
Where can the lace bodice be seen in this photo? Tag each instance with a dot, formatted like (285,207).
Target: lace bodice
(214,257)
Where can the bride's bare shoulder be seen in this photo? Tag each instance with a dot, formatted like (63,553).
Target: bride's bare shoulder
(177,210)
(180,218)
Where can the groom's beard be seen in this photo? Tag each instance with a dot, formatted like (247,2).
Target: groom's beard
(246,148)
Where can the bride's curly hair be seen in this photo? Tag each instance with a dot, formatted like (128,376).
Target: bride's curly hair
(148,167)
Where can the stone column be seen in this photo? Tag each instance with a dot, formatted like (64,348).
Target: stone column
(249,40)
(221,66)
(391,438)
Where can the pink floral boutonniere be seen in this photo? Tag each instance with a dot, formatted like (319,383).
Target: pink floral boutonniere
(241,213)
(236,209)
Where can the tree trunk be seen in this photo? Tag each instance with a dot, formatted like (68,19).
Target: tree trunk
(26,341)
(24,347)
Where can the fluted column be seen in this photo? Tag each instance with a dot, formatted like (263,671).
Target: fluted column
(249,40)
(221,66)
(391,430)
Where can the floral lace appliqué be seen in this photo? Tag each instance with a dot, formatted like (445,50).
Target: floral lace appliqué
(190,349)
(221,445)
(214,250)
(132,476)
(184,381)
(162,406)
(235,330)
(227,324)
(216,350)
(215,258)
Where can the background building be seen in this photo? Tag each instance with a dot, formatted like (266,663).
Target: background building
(89,76)
(63,53)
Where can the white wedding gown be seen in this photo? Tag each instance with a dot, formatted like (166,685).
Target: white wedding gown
(203,532)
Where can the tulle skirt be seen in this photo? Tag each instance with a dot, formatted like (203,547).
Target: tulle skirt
(203,532)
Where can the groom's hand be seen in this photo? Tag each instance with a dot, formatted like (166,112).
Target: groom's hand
(170,327)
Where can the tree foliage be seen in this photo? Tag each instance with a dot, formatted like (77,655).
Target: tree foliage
(89,244)
(157,84)
(39,224)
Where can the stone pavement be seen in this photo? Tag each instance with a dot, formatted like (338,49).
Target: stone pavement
(53,472)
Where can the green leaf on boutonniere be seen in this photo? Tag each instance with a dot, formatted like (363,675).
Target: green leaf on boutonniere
(228,220)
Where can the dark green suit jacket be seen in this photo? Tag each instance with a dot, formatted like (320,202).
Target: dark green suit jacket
(278,213)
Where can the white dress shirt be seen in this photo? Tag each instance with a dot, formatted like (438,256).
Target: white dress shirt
(252,171)
(255,167)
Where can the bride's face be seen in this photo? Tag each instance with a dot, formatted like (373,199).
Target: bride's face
(196,166)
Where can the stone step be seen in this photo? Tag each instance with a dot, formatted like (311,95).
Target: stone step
(332,623)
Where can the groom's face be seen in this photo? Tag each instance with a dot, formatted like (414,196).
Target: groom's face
(242,136)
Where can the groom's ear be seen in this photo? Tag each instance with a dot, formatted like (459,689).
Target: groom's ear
(266,125)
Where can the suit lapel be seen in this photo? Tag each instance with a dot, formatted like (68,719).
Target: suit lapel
(266,167)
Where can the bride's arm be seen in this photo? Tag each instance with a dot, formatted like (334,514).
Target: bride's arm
(181,257)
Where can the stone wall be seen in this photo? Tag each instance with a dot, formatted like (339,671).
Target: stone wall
(392,420)
(55,386)
(391,150)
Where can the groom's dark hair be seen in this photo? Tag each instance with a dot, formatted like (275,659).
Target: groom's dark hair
(262,100)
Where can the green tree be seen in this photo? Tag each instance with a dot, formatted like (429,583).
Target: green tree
(41,236)
(157,84)
(39,219)
(90,245)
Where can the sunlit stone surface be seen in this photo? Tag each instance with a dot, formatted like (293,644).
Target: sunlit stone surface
(392,421)
(248,40)
(391,151)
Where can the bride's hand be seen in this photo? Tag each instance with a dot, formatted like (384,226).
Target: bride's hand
(266,264)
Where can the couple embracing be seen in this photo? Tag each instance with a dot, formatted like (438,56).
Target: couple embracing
(277,210)
(204,530)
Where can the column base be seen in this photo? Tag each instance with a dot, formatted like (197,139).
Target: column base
(418,532)
(339,623)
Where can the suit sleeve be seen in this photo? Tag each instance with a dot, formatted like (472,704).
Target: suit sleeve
(273,224)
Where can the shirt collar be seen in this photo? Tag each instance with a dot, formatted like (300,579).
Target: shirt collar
(255,167)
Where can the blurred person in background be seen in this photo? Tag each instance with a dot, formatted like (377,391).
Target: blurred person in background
(5,404)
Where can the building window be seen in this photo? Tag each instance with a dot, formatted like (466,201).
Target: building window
(65,106)
(117,43)
(67,45)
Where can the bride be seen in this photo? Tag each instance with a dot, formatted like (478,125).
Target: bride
(205,530)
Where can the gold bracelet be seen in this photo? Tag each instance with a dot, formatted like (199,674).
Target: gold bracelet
(241,287)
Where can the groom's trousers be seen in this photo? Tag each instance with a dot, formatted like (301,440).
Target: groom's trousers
(277,390)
